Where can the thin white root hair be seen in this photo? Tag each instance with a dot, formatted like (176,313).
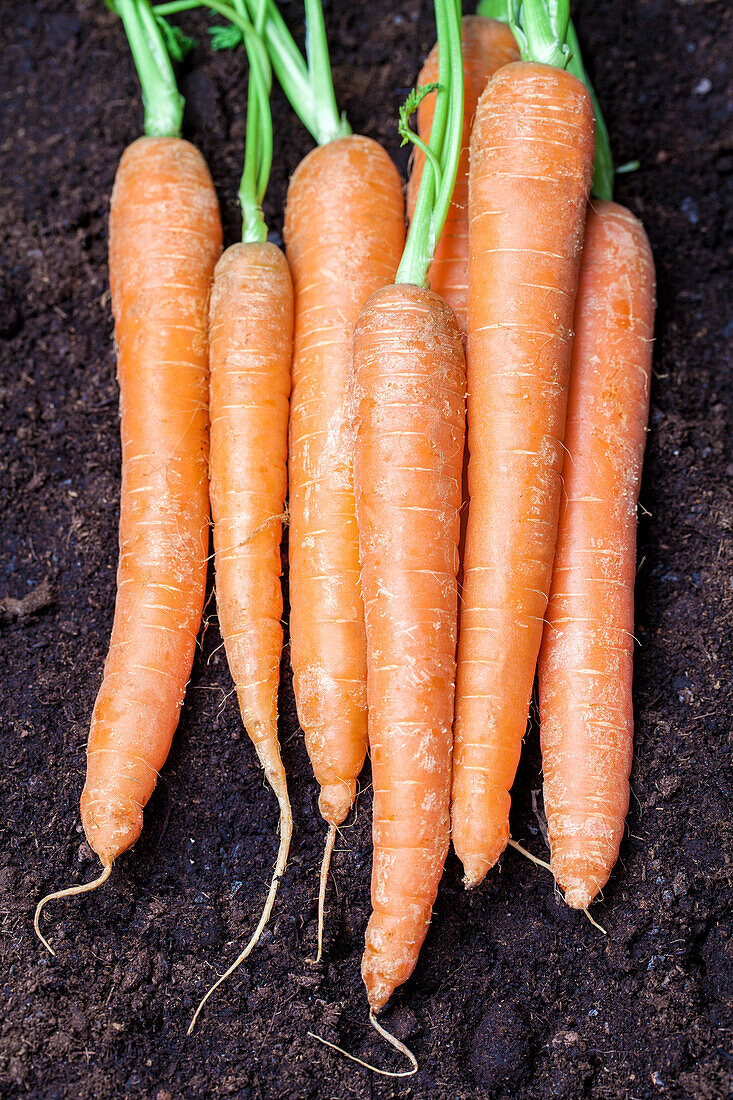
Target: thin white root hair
(595,922)
(528,855)
(542,863)
(70,891)
(391,1039)
(286,832)
(325,865)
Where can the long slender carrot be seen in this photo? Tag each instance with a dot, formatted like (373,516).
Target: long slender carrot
(530,176)
(487,45)
(409,410)
(585,666)
(165,237)
(251,349)
(344,232)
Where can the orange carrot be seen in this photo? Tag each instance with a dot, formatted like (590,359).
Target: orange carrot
(585,666)
(530,175)
(487,45)
(409,384)
(251,350)
(409,426)
(165,237)
(344,231)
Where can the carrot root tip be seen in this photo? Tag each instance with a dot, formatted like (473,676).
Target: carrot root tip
(325,865)
(286,832)
(70,891)
(391,1039)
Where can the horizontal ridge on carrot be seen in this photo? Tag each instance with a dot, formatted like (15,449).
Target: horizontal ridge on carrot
(531,165)
(586,661)
(165,237)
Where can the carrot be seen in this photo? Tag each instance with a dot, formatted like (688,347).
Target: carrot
(344,232)
(251,347)
(585,667)
(487,45)
(530,175)
(165,237)
(409,409)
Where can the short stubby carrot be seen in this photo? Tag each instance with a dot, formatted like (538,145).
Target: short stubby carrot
(530,175)
(344,232)
(409,409)
(487,45)
(585,666)
(165,238)
(251,347)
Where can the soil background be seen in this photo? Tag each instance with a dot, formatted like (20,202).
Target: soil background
(514,994)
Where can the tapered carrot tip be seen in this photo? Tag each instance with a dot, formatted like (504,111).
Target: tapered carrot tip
(111,828)
(578,896)
(480,841)
(335,800)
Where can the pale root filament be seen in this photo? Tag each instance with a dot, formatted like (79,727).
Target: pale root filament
(67,893)
(391,1039)
(542,863)
(286,832)
(325,865)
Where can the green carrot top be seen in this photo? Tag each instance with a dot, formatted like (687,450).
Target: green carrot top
(151,43)
(307,84)
(442,153)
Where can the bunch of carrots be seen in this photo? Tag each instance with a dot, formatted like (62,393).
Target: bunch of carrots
(334,387)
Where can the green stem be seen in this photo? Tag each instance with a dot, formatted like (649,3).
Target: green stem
(258,140)
(162,101)
(603,166)
(540,27)
(330,124)
(309,88)
(603,173)
(434,196)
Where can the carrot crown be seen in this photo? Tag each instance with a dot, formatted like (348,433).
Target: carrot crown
(603,171)
(149,44)
(443,152)
(540,28)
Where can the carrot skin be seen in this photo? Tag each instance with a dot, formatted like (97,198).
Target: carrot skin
(409,402)
(531,167)
(586,660)
(344,233)
(165,237)
(251,347)
(487,45)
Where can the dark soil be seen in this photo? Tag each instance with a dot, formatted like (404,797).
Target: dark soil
(514,994)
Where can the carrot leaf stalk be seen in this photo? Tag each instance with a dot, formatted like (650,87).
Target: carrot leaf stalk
(603,172)
(162,101)
(540,30)
(258,140)
(443,151)
(308,86)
